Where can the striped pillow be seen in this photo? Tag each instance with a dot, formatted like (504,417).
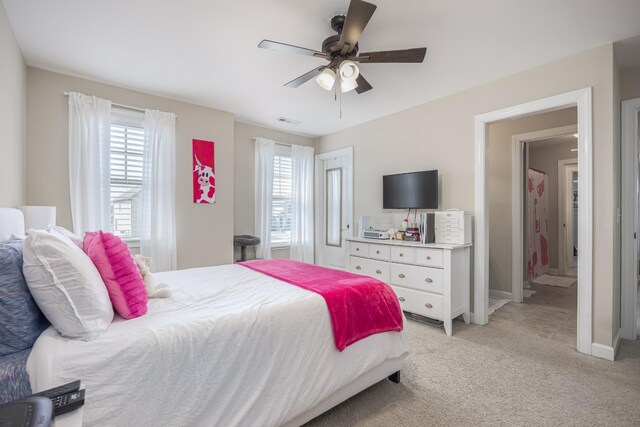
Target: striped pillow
(118,269)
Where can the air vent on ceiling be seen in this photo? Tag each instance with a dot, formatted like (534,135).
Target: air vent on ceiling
(289,121)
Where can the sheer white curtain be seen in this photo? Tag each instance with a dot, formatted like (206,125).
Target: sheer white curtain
(302,200)
(264,152)
(89,155)
(158,233)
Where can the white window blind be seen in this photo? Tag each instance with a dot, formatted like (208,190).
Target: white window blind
(281,213)
(127,144)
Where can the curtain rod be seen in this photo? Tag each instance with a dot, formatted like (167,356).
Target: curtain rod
(277,143)
(122,105)
(536,170)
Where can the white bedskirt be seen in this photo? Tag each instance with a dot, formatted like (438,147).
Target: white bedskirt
(230,347)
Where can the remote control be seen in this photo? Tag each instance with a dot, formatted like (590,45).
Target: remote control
(67,402)
(62,389)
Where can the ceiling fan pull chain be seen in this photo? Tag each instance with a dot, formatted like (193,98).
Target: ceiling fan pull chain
(340,104)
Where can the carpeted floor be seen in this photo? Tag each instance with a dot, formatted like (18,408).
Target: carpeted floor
(498,375)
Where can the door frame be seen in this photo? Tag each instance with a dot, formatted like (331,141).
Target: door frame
(319,197)
(630,212)
(518,146)
(564,212)
(582,98)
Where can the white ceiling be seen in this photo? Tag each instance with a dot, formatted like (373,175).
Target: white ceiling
(205,51)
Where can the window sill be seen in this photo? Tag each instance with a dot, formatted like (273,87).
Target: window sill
(132,243)
(283,247)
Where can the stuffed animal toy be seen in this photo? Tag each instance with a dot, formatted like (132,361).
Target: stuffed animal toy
(154,290)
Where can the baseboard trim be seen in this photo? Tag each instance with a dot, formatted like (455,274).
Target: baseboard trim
(474,320)
(616,342)
(554,271)
(604,351)
(496,294)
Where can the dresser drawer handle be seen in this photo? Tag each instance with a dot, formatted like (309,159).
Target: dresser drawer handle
(428,305)
(401,299)
(428,280)
(401,276)
(428,258)
(378,272)
(358,267)
(401,254)
(377,252)
(357,249)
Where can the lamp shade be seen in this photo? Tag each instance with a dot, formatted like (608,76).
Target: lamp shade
(39,217)
(349,71)
(347,85)
(326,79)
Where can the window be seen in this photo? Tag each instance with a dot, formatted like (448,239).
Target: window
(127,145)
(282,209)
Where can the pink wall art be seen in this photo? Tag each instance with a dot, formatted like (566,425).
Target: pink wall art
(204,178)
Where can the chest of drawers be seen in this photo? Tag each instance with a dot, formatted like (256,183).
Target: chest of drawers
(431,280)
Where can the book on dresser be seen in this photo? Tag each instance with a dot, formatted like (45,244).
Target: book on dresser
(432,280)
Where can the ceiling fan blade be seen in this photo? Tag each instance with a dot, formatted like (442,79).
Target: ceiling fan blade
(305,77)
(363,85)
(393,56)
(288,48)
(358,17)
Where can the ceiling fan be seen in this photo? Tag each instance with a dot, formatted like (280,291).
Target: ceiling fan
(341,51)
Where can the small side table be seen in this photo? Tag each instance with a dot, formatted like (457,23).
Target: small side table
(244,240)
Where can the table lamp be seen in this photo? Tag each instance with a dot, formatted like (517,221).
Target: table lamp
(39,217)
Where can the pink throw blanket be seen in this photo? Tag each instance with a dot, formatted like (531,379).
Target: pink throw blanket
(359,306)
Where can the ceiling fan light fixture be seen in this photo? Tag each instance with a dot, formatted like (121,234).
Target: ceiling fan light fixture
(349,71)
(326,79)
(347,85)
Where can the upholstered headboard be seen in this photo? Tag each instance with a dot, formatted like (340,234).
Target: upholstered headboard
(11,222)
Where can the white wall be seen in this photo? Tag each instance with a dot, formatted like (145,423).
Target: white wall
(245,177)
(617,195)
(544,156)
(499,170)
(13,115)
(630,83)
(204,232)
(440,135)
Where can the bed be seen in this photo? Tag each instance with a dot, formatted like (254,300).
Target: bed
(231,346)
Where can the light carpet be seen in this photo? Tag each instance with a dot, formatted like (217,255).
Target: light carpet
(494,375)
(561,281)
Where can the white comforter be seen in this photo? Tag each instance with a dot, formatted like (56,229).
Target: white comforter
(230,347)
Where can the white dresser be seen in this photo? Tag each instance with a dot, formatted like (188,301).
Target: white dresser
(431,280)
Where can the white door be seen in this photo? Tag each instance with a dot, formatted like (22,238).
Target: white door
(334,207)
(567,215)
(571,213)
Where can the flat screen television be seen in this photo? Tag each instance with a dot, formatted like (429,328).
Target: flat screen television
(414,190)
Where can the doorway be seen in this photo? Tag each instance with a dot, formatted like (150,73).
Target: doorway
(630,250)
(583,100)
(334,207)
(541,150)
(568,215)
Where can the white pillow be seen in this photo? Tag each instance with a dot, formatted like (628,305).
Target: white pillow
(66,286)
(56,230)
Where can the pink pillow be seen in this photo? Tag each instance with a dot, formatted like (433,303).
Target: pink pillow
(119,271)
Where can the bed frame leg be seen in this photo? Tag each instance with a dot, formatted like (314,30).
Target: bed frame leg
(395,377)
